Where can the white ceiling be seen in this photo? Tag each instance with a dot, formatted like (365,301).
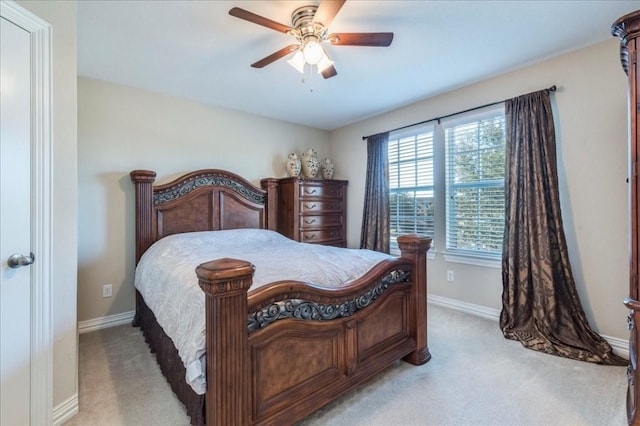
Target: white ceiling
(196,50)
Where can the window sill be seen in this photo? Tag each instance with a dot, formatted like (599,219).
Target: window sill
(472,259)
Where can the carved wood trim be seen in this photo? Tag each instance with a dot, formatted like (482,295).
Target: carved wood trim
(271,186)
(225,283)
(300,308)
(206,178)
(415,247)
(143,181)
(626,28)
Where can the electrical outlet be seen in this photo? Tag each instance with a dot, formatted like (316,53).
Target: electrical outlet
(107,290)
(449,275)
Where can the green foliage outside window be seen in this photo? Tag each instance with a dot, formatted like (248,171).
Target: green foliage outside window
(475,190)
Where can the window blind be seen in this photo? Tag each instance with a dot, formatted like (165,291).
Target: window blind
(411,184)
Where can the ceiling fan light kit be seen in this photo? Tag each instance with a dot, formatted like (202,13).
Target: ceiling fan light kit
(310,28)
(324,64)
(312,51)
(297,61)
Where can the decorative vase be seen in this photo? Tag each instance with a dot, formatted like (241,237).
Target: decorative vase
(327,168)
(293,165)
(310,163)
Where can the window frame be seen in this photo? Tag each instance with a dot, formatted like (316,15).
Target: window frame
(437,127)
(412,132)
(465,255)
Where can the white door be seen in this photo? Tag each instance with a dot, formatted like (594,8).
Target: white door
(15,220)
(26,358)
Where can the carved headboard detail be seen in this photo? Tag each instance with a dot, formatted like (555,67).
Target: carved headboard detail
(204,200)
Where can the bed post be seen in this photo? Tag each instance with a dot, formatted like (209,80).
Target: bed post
(143,181)
(415,247)
(271,186)
(225,283)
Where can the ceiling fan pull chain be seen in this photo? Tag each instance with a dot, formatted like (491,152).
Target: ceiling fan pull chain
(311,77)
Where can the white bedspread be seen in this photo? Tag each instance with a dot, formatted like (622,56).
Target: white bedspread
(166,278)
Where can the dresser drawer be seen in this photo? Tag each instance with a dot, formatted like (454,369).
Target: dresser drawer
(320,221)
(321,190)
(321,235)
(317,206)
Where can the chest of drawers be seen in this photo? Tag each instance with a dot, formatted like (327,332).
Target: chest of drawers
(313,210)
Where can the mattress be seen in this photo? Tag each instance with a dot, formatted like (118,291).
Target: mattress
(166,278)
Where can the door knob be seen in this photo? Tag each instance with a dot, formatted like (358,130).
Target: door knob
(18,260)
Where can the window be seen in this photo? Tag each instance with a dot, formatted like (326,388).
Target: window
(411,184)
(446,181)
(475,164)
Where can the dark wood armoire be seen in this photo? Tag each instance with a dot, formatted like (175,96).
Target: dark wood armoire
(627,28)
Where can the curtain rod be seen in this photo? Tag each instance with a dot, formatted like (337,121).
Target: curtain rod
(550,89)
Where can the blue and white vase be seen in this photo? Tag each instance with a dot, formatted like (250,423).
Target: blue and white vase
(293,165)
(327,168)
(310,163)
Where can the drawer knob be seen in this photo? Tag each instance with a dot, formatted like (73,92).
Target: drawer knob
(312,206)
(309,236)
(306,191)
(309,221)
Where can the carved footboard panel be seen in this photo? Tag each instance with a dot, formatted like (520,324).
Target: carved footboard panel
(297,363)
(304,346)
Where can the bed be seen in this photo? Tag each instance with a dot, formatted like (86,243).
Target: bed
(281,351)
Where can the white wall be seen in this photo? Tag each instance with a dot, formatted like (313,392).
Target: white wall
(591,127)
(121,129)
(62,16)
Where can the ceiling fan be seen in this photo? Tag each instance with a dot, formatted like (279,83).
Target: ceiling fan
(310,28)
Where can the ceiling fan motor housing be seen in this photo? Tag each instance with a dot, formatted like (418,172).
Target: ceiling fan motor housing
(304,27)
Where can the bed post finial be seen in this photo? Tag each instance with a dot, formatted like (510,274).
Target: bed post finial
(415,247)
(225,283)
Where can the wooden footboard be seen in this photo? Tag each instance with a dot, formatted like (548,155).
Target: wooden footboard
(285,350)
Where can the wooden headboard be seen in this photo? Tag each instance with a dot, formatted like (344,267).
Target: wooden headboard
(204,200)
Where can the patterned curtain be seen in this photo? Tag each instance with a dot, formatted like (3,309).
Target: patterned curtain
(540,304)
(375,216)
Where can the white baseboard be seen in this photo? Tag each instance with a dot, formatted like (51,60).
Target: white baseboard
(619,346)
(470,308)
(66,410)
(105,322)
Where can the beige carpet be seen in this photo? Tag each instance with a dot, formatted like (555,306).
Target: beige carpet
(475,377)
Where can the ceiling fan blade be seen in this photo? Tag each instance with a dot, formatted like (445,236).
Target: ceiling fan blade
(327,10)
(361,39)
(329,72)
(260,20)
(275,56)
